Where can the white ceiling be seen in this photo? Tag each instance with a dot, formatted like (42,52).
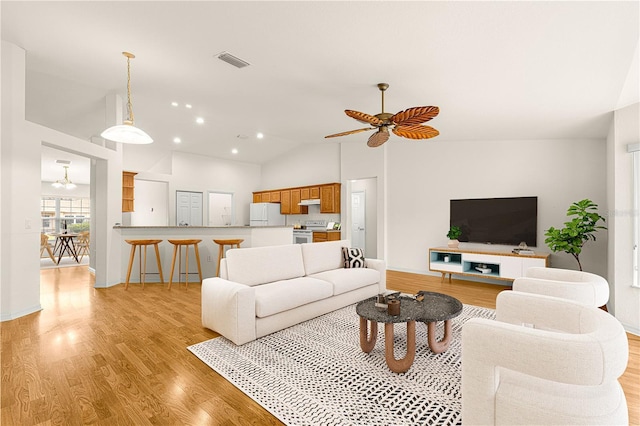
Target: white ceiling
(497,70)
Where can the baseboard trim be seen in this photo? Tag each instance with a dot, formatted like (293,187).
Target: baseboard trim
(14,315)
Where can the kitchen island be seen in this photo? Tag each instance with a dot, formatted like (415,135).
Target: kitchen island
(253,236)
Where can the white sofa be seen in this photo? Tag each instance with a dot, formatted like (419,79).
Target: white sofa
(543,361)
(265,289)
(584,287)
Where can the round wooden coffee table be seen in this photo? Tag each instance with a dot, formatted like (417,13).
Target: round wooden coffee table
(435,307)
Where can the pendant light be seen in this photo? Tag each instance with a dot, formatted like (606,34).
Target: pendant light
(127,132)
(65,183)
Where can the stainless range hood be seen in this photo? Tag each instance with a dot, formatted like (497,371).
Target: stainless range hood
(312,202)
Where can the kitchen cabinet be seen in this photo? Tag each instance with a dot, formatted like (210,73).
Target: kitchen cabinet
(285,201)
(330,198)
(295,199)
(310,193)
(127,191)
(304,194)
(329,195)
(321,237)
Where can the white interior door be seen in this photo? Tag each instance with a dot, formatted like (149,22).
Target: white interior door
(188,208)
(358,229)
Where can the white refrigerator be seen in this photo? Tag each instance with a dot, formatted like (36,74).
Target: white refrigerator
(265,214)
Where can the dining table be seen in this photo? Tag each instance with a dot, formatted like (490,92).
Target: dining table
(64,244)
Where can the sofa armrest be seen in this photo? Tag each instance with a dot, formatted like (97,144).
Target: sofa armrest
(229,308)
(380,266)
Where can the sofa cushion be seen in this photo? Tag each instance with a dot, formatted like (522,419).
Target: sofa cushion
(320,257)
(345,280)
(259,265)
(281,296)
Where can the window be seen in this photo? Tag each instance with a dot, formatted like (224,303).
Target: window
(64,213)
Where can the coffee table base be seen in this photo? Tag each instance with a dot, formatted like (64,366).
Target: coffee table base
(441,346)
(403,364)
(369,336)
(368,342)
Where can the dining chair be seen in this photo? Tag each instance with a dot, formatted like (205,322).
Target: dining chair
(44,245)
(82,245)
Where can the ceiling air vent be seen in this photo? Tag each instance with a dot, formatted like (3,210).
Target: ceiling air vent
(233,60)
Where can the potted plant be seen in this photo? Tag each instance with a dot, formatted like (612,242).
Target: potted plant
(453,234)
(577,231)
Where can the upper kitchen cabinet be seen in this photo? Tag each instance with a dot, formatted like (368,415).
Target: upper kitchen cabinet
(330,198)
(285,201)
(290,198)
(310,193)
(296,197)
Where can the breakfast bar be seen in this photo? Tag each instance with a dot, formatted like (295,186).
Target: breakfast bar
(252,236)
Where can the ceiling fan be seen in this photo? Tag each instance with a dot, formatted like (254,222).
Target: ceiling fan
(407,123)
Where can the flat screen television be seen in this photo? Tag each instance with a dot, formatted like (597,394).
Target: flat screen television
(508,221)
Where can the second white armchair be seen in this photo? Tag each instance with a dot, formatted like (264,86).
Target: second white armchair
(584,287)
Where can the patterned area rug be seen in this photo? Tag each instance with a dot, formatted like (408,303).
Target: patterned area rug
(315,373)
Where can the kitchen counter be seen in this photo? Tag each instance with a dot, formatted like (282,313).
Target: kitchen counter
(253,236)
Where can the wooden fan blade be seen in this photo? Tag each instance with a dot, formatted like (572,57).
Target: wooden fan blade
(378,138)
(364,118)
(415,116)
(416,132)
(350,132)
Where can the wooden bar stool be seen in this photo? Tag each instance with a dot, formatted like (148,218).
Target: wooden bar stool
(143,268)
(223,243)
(177,251)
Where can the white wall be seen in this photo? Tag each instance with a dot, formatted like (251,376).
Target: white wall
(308,165)
(20,149)
(625,130)
(424,176)
(201,174)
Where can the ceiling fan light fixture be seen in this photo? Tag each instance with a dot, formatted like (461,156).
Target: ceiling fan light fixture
(127,132)
(406,124)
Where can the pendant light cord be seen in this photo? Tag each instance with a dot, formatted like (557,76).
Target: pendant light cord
(130,118)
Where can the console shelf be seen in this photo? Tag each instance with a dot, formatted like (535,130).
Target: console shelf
(499,265)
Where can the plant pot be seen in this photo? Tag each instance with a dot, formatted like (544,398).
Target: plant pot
(453,243)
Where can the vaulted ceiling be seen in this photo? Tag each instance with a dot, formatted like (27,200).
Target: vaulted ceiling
(497,70)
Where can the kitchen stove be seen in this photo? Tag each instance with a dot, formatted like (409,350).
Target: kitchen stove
(305,234)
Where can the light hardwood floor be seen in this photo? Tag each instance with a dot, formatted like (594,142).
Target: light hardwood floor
(109,356)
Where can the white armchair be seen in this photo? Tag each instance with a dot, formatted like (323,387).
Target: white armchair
(544,360)
(584,287)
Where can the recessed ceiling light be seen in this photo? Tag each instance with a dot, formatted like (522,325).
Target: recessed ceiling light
(234,151)
(260,135)
(199,120)
(187,106)
(177,140)
(174,104)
